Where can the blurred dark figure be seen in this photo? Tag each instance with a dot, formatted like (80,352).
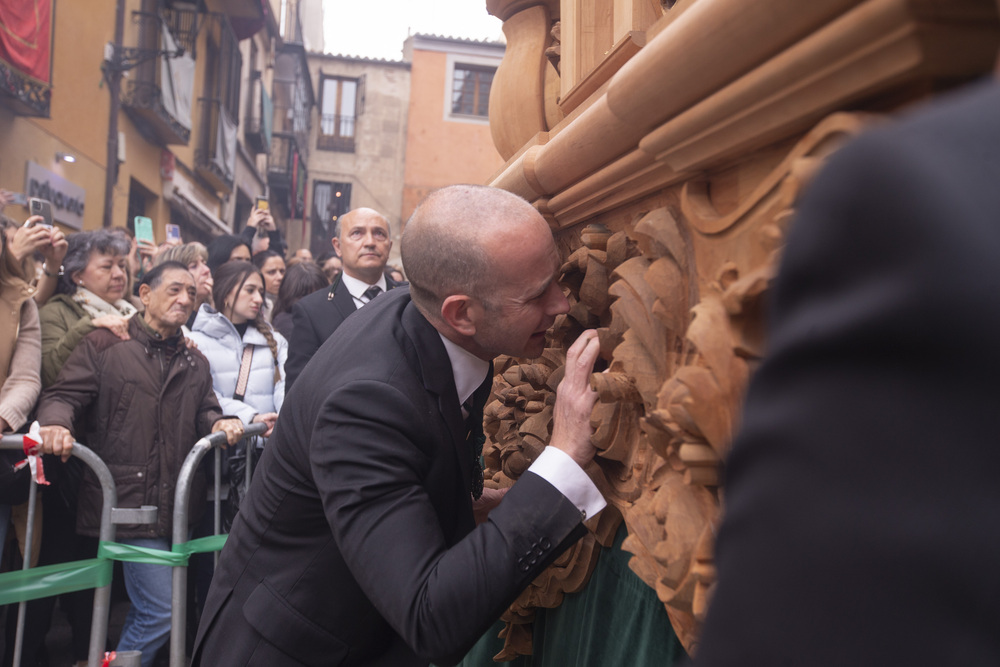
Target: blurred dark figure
(862,497)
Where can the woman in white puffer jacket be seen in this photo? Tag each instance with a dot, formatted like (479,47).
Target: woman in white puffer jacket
(223,336)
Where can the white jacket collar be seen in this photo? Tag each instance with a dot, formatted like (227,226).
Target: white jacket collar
(214,324)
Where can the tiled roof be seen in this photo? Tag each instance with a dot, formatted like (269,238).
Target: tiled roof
(460,40)
(359,59)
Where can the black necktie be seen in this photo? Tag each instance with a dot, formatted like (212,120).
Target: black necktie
(372,292)
(475,438)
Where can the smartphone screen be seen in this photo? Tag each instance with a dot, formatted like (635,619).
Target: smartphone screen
(41,207)
(262,203)
(173,232)
(144,229)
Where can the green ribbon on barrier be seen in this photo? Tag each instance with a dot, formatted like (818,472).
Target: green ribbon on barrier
(130,554)
(202,545)
(52,580)
(49,580)
(178,555)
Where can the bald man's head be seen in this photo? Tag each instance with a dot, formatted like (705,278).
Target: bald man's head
(363,244)
(483,269)
(449,243)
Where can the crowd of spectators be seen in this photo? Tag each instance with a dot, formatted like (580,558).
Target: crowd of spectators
(59,290)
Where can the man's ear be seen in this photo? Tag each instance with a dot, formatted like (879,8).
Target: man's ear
(335,242)
(144,292)
(458,311)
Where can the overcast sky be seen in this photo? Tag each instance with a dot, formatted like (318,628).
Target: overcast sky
(377,29)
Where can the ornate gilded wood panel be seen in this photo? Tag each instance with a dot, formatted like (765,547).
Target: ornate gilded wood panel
(670,181)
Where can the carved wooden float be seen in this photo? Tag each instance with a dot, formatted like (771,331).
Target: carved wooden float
(666,144)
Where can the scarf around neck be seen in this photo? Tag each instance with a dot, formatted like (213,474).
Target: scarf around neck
(96,306)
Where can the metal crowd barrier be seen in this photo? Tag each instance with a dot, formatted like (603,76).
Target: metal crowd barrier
(102,595)
(182,497)
(111,515)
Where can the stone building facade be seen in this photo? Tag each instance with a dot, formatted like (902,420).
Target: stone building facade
(448,140)
(358,141)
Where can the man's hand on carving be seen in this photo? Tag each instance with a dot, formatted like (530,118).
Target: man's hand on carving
(571,429)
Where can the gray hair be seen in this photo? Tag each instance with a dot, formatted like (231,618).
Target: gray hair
(84,244)
(186,254)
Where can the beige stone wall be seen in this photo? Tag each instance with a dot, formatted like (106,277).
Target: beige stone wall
(441,150)
(375,168)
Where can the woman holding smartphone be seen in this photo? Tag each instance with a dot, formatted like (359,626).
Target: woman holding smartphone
(20,382)
(35,236)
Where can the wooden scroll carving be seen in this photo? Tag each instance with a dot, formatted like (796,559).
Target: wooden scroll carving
(669,173)
(677,296)
(526,84)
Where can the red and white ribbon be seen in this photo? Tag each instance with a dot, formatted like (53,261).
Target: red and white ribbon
(31,441)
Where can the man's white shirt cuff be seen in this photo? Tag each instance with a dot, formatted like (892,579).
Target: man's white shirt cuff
(560,470)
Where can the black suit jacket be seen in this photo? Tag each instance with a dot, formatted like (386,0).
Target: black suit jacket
(862,521)
(356,543)
(314,318)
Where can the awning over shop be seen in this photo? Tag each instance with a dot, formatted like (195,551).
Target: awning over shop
(197,215)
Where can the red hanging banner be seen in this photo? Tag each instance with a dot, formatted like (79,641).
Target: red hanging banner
(26,37)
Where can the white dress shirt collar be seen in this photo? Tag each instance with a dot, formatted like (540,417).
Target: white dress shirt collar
(357,287)
(468,369)
(554,466)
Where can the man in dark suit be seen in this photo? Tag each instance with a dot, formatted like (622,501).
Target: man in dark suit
(862,521)
(357,543)
(362,241)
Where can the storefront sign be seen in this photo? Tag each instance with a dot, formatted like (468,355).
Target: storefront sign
(67,198)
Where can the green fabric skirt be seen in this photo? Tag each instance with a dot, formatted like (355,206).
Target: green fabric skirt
(615,620)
